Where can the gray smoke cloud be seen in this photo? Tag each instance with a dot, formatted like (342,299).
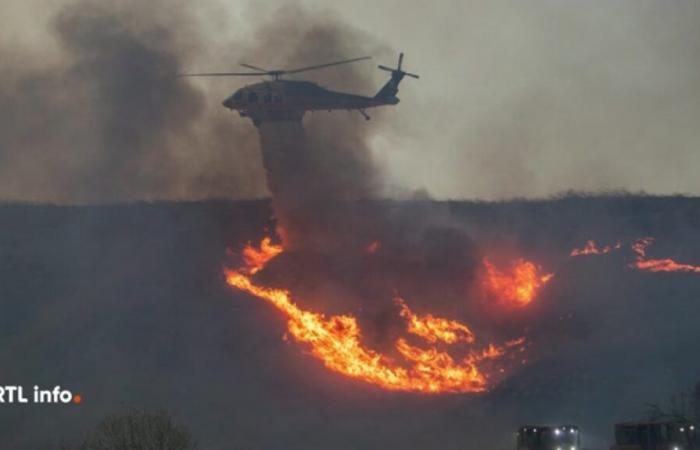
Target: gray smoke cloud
(530,100)
(513,101)
(112,121)
(325,180)
(317,169)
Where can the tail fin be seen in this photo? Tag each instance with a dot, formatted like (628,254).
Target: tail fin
(388,92)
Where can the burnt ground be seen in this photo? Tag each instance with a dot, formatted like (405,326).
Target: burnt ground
(127,306)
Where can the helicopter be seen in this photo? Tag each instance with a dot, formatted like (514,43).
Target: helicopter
(288,100)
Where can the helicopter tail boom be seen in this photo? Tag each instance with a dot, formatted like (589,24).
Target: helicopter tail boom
(387,93)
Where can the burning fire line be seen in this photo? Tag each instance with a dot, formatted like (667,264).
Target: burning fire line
(592,249)
(639,248)
(434,329)
(517,288)
(657,265)
(337,340)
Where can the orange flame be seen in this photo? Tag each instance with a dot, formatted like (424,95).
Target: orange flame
(256,259)
(494,352)
(337,341)
(592,249)
(520,286)
(657,265)
(434,329)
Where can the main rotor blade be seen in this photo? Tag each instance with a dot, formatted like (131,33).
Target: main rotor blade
(224,74)
(385,68)
(303,69)
(411,75)
(253,67)
(400,60)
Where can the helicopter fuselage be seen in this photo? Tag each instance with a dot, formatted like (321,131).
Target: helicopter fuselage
(285,100)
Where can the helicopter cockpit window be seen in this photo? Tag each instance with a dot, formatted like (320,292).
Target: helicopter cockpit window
(252,97)
(237,96)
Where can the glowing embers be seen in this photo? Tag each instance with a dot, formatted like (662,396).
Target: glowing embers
(592,249)
(657,265)
(518,285)
(372,247)
(337,341)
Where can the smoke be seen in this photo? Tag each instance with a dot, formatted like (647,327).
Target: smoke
(112,121)
(530,101)
(325,183)
(524,106)
(316,170)
(315,179)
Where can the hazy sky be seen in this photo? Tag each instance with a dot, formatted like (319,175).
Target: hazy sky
(516,98)
(529,98)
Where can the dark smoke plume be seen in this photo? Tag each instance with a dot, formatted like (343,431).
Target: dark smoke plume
(113,122)
(326,185)
(317,169)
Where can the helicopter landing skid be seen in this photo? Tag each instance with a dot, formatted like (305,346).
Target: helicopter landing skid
(364,114)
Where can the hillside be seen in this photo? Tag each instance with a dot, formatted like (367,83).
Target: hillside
(127,305)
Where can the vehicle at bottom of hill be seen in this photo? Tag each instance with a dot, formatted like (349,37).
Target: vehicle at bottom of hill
(548,437)
(668,434)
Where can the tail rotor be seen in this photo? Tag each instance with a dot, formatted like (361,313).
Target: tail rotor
(398,70)
(387,94)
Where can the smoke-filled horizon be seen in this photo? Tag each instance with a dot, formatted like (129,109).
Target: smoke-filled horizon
(512,102)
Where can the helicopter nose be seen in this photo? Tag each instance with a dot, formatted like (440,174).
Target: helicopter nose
(228,103)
